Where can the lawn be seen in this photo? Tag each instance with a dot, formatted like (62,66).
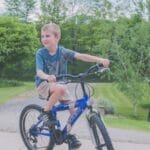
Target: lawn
(123,117)
(7,93)
(126,123)
(122,103)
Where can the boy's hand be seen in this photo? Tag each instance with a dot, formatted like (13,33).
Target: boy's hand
(105,62)
(51,78)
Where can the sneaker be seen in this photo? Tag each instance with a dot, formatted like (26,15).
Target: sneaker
(74,142)
(48,118)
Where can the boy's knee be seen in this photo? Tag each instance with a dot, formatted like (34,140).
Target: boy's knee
(60,89)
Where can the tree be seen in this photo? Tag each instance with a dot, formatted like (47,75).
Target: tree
(148,9)
(20,8)
(53,10)
(13,7)
(18,45)
(131,56)
(27,8)
(131,7)
(142,8)
(101,9)
(145,101)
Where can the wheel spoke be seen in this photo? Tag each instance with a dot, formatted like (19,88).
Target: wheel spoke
(28,123)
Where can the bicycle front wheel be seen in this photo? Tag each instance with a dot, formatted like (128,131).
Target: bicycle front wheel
(28,121)
(99,133)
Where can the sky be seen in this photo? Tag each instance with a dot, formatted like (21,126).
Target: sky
(2,6)
(80,3)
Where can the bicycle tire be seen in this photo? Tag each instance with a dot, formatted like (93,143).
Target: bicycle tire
(28,139)
(100,134)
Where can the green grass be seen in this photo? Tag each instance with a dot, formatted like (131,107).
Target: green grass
(121,102)
(109,91)
(116,122)
(124,116)
(7,93)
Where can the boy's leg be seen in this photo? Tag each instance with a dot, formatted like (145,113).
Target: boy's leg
(56,91)
(74,142)
(68,96)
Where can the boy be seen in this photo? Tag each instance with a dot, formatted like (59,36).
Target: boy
(52,60)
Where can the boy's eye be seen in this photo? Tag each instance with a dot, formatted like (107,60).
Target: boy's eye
(47,36)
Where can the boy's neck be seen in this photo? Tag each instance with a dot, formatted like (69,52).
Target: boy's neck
(52,49)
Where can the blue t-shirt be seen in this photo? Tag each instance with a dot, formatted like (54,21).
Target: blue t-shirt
(53,64)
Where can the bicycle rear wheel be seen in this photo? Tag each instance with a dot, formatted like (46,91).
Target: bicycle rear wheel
(28,119)
(99,133)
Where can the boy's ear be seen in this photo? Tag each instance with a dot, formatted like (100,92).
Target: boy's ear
(57,36)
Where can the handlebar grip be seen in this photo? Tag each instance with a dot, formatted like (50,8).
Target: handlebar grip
(100,65)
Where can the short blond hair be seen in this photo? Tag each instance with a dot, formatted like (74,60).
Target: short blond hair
(52,27)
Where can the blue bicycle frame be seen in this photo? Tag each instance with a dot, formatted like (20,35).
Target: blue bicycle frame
(80,104)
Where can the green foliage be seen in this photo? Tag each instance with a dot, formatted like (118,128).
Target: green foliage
(18,44)
(133,90)
(145,89)
(101,8)
(125,41)
(19,8)
(131,56)
(127,123)
(131,40)
(53,11)
(8,93)
(10,83)
(120,100)
(107,104)
(86,35)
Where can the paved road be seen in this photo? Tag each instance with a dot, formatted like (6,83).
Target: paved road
(10,137)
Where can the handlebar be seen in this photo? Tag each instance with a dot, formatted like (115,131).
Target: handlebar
(95,69)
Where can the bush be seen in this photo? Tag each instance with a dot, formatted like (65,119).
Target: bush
(17,50)
(10,83)
(107,104)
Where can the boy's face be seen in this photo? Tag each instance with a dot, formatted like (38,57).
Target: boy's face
(49,39)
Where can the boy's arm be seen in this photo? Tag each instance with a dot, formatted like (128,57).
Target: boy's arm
(42,75)
(40,67)
(90,58)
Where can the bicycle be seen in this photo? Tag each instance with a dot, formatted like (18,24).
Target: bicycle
(37,136)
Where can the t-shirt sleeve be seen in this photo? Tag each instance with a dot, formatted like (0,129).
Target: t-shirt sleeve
(39,61)
(69,54)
